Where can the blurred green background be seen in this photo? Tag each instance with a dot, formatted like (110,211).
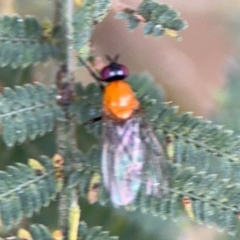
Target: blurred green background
(200,74)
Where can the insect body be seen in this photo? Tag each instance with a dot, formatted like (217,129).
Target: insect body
(124,153)
(119,100)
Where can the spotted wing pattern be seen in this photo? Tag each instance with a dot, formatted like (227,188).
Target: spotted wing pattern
(122,159)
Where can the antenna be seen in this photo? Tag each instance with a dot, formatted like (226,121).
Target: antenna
(113,60)
(109,58)
(116,57)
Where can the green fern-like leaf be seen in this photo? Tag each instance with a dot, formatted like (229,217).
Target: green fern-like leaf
(211,196)
(82,25)
(83,167)
(98,9)
(23,43)
(22,192)
(93,233)
(90,12)
(27,112)
(201,143)
(158,18)
(41,232)
(144,86)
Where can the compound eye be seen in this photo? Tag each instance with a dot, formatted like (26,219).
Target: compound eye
(106,73)
(125,71)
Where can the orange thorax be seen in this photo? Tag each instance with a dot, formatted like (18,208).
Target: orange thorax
(119,100)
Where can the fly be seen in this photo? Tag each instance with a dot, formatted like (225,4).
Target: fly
(131,153)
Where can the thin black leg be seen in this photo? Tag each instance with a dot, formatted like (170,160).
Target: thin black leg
(93,74)
(98,80)
(93,120)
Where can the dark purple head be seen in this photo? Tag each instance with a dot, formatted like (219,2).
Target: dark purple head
(114,71)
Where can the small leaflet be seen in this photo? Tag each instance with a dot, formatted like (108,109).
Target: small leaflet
(187,204)
(78,2)
(46,29)
(170,147)
(57,235)
(23,234)
(36,166)
(172,33)
(93,189)
(58,162)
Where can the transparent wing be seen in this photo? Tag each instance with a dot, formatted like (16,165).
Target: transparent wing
(157,167)
(122,159)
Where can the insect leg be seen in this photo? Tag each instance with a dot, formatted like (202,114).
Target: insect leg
(93,74)
(93,120)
